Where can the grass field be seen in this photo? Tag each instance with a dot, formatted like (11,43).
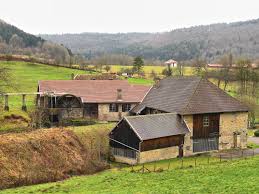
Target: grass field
(25,77)
(148,69)
(239,176)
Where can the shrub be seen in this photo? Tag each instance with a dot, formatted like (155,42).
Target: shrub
(78,122)
(256,133)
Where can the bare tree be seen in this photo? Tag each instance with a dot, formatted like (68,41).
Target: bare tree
(243,74)
(200,67)
(16,41)
(107,68)
(224,73)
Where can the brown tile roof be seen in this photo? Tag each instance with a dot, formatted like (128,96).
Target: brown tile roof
(189,95)
(157,125)
(96,91)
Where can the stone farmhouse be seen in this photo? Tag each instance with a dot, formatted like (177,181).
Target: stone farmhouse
(180,117)
(105,100)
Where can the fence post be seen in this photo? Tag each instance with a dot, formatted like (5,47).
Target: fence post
(99,152)
(220,158)
(155,167)
(182,163)
(143,168)
(242,153)
(169,165)
(208,159)
(195,159)
(132,170)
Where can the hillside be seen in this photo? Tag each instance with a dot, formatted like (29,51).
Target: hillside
(42,156)
(210,42)
(15,41)
(8,32)
(25,77)
(227,177)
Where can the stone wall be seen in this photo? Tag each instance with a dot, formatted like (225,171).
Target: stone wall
(73,113)
(231,124)
(158,154)
(125,160)
(188,144)
(105,115)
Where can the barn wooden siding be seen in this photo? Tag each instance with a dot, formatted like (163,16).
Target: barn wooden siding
(199,131)
(124,134)
(162,142)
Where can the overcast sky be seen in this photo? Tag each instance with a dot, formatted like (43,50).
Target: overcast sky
(75,16)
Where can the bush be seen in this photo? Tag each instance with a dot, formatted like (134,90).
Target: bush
(78,122)
(256,133)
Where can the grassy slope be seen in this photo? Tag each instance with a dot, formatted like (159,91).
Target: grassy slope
(227,177)
(26,75)
(25,78)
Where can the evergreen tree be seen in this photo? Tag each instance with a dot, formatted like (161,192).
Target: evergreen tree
(138,64)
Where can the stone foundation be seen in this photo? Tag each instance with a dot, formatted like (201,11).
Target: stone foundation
(158,154)
(233,130)
(125,160)
(188,144)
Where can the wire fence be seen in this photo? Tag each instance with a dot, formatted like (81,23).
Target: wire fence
(190,162)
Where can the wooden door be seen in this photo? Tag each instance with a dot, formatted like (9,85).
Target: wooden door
(180,151)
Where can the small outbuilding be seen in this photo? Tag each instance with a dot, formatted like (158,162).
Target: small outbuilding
(171,63)
(146,138)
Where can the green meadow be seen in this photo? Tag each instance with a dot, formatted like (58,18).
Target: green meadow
(240,176)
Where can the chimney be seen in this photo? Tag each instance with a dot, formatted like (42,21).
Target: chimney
(119,94)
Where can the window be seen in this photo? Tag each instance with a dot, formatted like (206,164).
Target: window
(113,108)
(206,121)
(126,107)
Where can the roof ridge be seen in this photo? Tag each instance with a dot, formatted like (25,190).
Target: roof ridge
(189,100)
(149,115)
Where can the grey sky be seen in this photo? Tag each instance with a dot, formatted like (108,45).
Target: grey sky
(75,16)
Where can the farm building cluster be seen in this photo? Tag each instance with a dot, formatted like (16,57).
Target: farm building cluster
(176,117)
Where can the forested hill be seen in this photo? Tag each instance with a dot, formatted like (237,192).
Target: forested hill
(14,41)
(12,35)
(210,42)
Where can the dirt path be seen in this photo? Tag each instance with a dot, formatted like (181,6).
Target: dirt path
(254,140)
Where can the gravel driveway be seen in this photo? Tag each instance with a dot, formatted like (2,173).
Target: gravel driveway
(254,140)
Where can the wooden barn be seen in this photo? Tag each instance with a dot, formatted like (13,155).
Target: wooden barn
(215,120)
(139,139)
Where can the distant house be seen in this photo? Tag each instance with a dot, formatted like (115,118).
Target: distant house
(180,117)
(214,65)
(253,65)
(171,63)
(106,100)
(103,76)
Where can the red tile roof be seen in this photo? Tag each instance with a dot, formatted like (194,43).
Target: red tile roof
(96,91)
